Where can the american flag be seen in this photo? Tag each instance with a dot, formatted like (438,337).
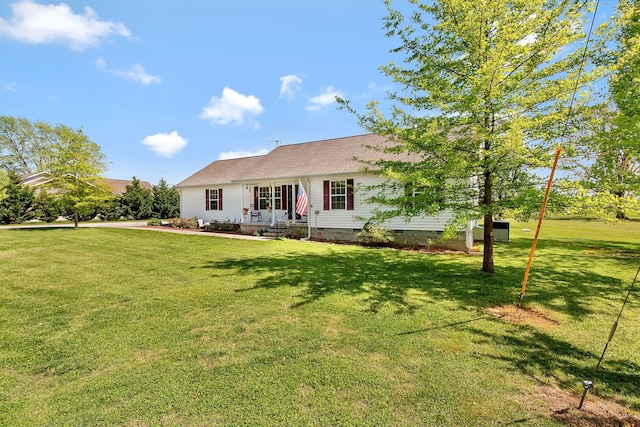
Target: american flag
(302,202)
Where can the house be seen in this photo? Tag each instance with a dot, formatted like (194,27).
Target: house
(260,191)
(119,186)
(116,186)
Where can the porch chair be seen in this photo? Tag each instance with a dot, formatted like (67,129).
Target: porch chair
(257,214)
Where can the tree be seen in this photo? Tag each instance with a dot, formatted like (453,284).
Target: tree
(24,144)
(76,165)
(485,88)
(47,207)
(166,201)
(17,205)
(136,201)
(109,209)
(4,181)
(615,167)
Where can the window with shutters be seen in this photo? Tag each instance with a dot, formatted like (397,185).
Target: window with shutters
(264,197)
(214,201)
(338,194)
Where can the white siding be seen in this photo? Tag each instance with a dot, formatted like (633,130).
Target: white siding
(239,196)
(192,203)
(348,218)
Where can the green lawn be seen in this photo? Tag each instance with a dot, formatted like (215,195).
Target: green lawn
(136,327)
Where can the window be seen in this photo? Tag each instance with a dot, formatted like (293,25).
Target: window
(264,197)
(213,199)
(338,194)
(265,200)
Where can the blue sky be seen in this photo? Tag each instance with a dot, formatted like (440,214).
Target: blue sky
(167,86)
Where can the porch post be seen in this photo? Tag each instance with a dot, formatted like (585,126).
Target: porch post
(273,205)
(294,199)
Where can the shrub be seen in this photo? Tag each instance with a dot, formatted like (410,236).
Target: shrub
(183,222)
(154,222)
(225,225)
(375,235)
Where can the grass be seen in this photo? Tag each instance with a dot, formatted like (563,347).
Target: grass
(133,327)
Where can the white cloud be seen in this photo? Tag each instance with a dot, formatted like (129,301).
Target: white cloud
(165,145)
(11,87)
(137,73)
(48,23)
(237,154)
(231,107)
(290,86)
(327,97)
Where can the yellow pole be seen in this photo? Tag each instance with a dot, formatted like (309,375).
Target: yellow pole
(535,239)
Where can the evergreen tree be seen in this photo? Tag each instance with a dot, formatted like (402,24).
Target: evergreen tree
(166,201)
(47,207)
(136,201)
(17,205)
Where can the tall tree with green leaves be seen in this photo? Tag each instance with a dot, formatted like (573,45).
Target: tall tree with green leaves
(166,200)
(613,175)
(76,165)
(24,144)
(484,88)
(136,202)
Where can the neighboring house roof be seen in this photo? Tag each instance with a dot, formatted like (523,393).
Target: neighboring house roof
(221,172)
(35,179)
(327,157)
(119,186)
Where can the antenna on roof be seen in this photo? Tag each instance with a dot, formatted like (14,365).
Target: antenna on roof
(277,141)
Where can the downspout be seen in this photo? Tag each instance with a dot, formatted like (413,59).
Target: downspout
(308,209)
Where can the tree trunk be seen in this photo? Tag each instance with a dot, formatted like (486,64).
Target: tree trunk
(75,216)
(620,214)
(487,258)
(487,201)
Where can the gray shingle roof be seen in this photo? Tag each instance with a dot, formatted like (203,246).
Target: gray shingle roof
(327,157)
(119,186)
(221,172)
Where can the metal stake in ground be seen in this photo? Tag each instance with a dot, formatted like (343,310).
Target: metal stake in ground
(588,385)
(535,239)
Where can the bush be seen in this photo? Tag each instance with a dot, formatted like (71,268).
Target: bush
(183,222)
(375,235)
(223,226)
(154,222)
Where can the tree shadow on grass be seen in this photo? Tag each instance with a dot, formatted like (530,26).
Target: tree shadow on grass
(382,277)
(539,355)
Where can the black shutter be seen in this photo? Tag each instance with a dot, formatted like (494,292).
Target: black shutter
(219,199)
(327,196)
(349,194)
(206,200)
(283,197)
